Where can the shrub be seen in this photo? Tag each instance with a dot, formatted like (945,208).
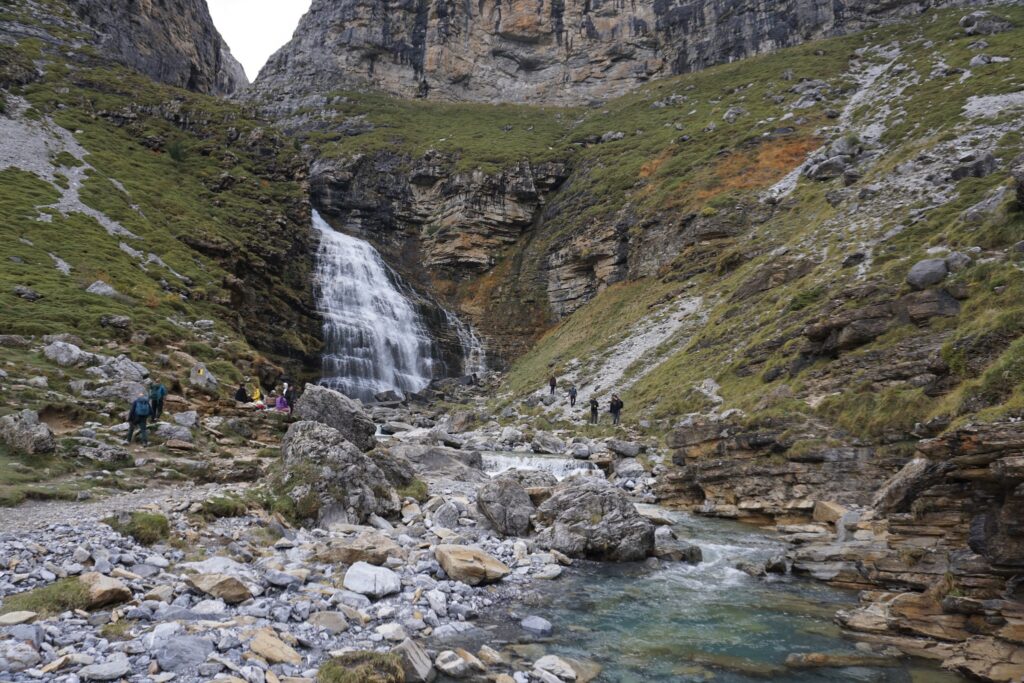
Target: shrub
(416,489)
(145,527)
(176,149)
(362,667)
(224,506)
(60,596)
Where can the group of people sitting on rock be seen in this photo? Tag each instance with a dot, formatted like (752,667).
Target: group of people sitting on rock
(282,401)
(615,405)
(146,406)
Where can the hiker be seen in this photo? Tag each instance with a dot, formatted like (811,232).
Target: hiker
(157,392)
(137,417)
(281,405)
(289,395)
(552,383)
(257,396)
(572,396)
(242,396)
(615,408)
(593,410)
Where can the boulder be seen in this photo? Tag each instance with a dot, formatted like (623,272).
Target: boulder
(223,586)
(366,579)
(101,288)
(982,23)
(627,449)
(587,517)
(23,432)
(179,654)
(334,409)
(271,648)
(67,355)
(926,273)
(371,547)
(506,505)
(531,478)
(332,480)
(538,626)
(458,663)
(104,590)
(415,661)
(469,564)
(548,444)
(332,622)
(579,451)
(173,432)
(113,669)
(920,307)
(200,377)
(443,463)
(828,511)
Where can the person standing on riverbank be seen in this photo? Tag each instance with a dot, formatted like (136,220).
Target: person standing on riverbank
(552,383)
(615,408)
(593,410)
(572,396)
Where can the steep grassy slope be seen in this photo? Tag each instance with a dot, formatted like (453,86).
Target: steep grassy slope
(186,205)
(824,251)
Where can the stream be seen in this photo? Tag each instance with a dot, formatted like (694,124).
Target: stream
(697,622)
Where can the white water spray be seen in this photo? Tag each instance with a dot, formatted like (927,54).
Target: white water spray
(375,338)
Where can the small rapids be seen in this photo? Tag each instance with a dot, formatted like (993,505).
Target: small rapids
(685,623)
(496,463)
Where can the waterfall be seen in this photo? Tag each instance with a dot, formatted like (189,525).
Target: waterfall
(375,336)
(496,463)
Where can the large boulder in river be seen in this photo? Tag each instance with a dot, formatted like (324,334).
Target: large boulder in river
(337,410)
(587,517)
(329,479)
(23,432)
(435,462)
(506,505)
(547,444)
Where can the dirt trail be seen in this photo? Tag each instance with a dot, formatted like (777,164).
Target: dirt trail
(34,515)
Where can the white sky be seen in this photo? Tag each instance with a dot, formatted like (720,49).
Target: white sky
(255,29)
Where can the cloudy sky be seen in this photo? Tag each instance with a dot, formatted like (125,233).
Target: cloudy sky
(255,29)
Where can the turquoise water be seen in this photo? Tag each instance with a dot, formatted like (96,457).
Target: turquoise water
(698,623)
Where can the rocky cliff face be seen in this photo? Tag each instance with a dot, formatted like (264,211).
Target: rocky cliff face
(550,51)
(172,42)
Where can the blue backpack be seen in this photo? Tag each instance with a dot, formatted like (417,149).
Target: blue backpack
(141,407)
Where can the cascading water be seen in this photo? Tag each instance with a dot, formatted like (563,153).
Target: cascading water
(375,337)
(496,463)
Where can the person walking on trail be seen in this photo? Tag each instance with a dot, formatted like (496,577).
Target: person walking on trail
(137,417)
(552,383)
(593,411)
(157,393)
(289,395)
(615,408)
(572,396)
(242,396)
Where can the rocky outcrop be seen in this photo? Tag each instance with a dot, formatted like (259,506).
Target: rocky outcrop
(329,479)
(553,52)
(938,554)
(759,473)
(334,409)
(172,42)
(587,517)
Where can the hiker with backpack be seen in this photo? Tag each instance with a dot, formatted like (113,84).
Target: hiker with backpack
(157,393)
(137,417)
(593,410)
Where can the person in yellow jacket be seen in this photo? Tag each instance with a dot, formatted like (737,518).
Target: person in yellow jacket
(257,395)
